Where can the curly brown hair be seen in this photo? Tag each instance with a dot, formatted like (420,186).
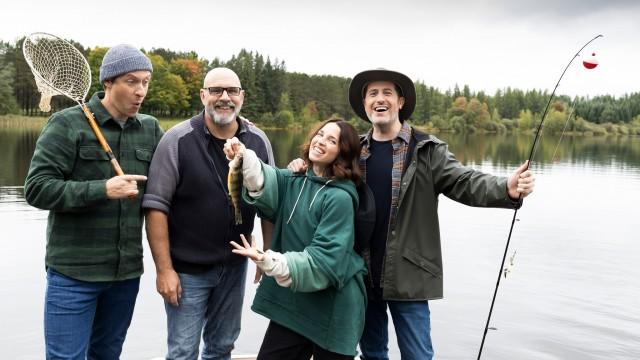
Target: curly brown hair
(346,165)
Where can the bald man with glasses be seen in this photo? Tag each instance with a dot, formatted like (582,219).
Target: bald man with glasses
(190,222)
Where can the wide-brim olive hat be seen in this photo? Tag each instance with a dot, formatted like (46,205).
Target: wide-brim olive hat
(405,84)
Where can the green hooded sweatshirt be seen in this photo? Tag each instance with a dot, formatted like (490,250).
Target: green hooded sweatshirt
(313,219)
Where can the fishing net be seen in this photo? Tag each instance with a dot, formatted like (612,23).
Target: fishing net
(58,67)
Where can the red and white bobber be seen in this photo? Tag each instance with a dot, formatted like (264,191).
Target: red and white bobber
(591,62)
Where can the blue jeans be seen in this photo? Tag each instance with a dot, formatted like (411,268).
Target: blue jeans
(87,319)
(412,325)
(211,306)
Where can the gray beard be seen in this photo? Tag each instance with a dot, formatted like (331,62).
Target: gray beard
(222,119)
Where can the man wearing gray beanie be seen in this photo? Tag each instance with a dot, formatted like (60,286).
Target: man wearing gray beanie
(122,59)
(94,232)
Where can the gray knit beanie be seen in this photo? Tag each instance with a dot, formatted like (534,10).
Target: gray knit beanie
(122,59)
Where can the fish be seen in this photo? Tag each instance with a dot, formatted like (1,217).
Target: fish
(234,184)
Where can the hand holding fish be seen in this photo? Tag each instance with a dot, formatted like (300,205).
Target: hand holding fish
(233,148)
(521,182)
(249,250)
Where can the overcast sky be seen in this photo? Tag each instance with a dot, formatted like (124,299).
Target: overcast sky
(489,44)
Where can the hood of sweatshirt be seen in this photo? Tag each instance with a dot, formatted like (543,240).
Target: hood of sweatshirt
(346,185)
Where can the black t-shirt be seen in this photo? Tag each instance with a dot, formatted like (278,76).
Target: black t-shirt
(379,169)
(215,149)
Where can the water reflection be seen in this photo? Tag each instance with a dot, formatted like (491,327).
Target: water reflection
(16,149)
(511,149)
(502,151)
(572,293)
(11,194)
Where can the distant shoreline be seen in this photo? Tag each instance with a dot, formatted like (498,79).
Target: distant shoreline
(13,121)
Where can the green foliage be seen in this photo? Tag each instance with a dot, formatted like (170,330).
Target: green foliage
(440,123)
(458,124)
(477,114)
(466,115)
(579,125)
(192,71)
(458,107)
(8,103)
(508,124)
(275,96)
(494,127)
(361,126)
(168,95)
(309,114)
(95,60)
(595,129)
(283,119)
(284,103)
(525,120)
(267,119)
(555,122)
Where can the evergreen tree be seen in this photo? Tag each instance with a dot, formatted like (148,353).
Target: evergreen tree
(8,103)
(274,95)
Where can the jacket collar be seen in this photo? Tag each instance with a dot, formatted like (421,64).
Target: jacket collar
(404,134)
(422,138)
(102,115)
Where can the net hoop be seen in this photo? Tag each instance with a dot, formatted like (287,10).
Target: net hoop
(58,68)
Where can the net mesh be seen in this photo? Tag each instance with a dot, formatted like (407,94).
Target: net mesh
(58,67)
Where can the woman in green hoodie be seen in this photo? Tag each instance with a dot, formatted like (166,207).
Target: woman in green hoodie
(314,292)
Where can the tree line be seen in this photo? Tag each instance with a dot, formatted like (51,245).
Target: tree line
(277,98)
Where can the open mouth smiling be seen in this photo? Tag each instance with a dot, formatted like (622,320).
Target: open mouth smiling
(318,150)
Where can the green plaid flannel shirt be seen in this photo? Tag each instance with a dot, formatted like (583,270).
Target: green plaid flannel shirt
(90,237)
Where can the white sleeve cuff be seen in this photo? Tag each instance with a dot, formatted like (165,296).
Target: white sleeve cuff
(252,176)
(274,264)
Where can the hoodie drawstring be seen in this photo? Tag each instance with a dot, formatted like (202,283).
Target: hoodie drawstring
(314,196)
(312,200)
(296,203)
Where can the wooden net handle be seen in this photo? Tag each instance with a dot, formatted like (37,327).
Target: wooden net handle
(101,140)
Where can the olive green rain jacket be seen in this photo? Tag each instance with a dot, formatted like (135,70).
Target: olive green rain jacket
(412,267)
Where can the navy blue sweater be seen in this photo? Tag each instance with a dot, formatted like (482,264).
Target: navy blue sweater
(188,182)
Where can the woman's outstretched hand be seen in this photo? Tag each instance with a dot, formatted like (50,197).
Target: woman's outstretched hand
(248,250)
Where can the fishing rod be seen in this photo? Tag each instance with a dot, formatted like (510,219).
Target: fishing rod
(515,212)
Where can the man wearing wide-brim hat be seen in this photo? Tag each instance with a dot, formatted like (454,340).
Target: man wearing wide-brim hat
(406,170)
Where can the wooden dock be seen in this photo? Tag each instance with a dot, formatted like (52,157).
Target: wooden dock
(233,357)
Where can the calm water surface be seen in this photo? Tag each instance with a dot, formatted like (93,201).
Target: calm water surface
(573,292)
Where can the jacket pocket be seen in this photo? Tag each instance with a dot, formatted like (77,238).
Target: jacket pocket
(144,155)
(92,153)
(143,160)
(416,259)
(92,164)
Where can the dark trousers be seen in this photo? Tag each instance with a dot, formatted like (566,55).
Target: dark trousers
(281,343)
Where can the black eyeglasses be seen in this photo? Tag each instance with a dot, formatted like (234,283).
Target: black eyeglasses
(217,91)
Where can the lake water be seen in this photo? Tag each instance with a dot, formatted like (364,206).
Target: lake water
(573,292)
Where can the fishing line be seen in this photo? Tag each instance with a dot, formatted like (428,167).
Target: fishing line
(515,212)
(564,129)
